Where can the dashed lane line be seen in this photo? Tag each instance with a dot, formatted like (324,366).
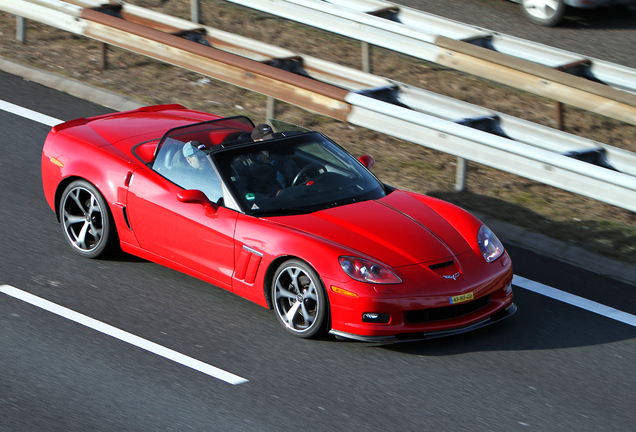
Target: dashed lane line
(123,335)
(574,300)
(27,113)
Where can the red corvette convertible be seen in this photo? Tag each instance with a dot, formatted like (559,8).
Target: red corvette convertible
(292,222)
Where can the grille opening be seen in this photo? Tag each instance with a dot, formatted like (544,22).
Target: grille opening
(446,312)
(441,265)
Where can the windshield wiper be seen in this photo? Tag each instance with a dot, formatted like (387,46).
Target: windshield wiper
(285,211)
(305,210)
(341,203)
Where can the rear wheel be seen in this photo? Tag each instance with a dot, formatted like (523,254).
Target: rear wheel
(86,220)
(547,13)
(299,299)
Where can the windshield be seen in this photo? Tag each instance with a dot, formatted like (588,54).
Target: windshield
(295,172)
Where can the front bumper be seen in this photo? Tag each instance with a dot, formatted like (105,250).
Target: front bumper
(423,306)
(418,336)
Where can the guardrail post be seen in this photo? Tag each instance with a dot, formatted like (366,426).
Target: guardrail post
(366,57)
(194,11)
(460,175)
(559,115)
(103,56)
(20,29)
(271,108)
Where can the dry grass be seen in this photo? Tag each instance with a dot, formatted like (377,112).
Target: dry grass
(590,224)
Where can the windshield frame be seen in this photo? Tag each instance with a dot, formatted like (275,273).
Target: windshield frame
(192,129)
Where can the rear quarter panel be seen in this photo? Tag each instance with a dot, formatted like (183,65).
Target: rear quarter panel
(79,152)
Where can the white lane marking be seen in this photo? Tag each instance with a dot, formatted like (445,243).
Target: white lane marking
(577,301)
(123,335)
(27,113)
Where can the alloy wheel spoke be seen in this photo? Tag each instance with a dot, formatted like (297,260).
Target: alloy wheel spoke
(95,232)
(70,219)
(75,197)
(306,315)
(311,292)
(81,237)
(282,292)
(94,206)
(293,274)
(289,316)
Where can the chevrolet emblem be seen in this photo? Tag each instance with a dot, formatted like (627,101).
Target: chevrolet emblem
(453,277)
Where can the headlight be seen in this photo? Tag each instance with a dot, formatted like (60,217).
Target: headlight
(491,247)
(366,271)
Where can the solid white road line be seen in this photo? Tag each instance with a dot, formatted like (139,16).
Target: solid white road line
(577,301)
(122,335)
(27,113)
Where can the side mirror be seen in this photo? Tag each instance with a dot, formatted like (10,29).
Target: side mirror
(193,196)
(367,161)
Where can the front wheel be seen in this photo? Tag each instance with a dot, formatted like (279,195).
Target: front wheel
(299,299)
(86,221)
(547,13)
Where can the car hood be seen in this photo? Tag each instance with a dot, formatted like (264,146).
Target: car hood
(397,230)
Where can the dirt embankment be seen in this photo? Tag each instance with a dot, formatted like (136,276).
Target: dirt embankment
(588,223)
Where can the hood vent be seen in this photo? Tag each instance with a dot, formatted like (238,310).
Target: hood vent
(449,270)
(441,265)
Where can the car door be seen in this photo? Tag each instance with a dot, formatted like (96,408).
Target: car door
(182,232)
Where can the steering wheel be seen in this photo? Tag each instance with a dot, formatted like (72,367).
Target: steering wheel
(307,168)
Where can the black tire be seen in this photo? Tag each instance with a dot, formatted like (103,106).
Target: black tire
(547,13)
(86,220)
(299,299)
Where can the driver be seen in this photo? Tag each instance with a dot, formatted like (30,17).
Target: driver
(263,174)
(256,176)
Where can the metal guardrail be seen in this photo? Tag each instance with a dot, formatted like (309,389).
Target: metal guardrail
(594,85)
(434,121)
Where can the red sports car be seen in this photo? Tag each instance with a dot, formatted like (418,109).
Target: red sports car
(287,219)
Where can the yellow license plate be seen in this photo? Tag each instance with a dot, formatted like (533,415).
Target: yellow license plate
(462,298)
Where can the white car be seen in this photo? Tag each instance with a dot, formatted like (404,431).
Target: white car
(549,13)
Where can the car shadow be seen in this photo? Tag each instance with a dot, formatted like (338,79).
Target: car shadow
(517,334)
(121,256)
(540,323)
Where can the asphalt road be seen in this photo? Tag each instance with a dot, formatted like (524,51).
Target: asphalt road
(607,33)
(550,367)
